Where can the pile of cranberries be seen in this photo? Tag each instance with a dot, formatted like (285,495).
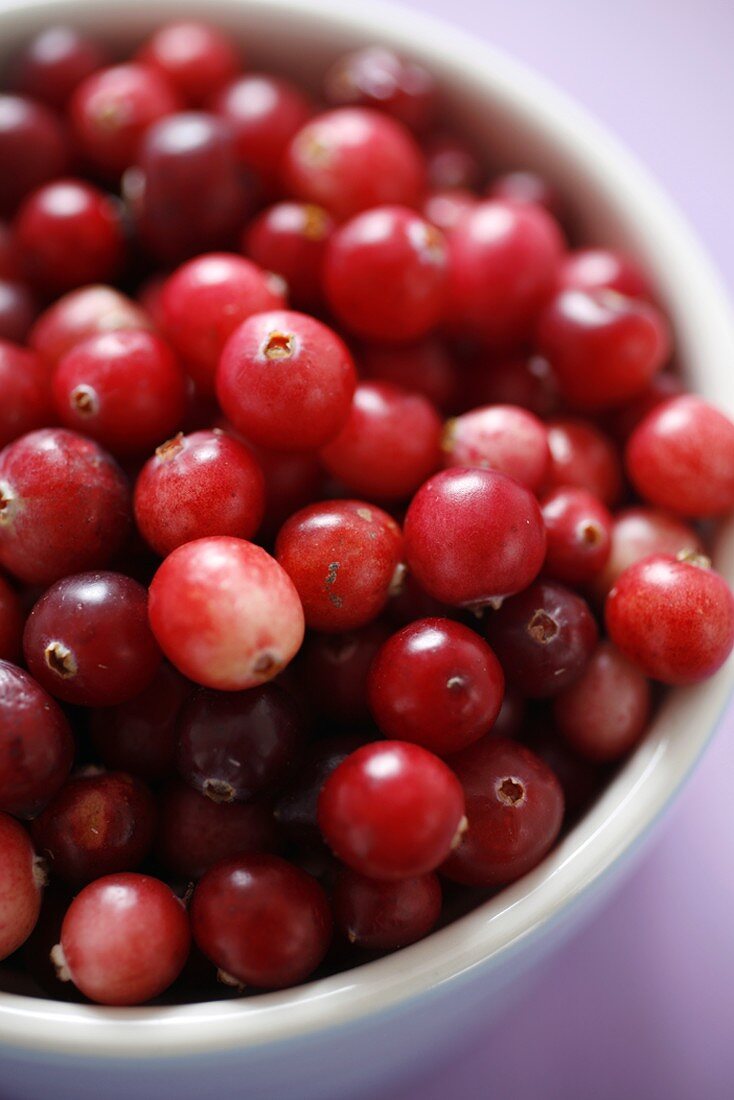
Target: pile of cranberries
(347,511)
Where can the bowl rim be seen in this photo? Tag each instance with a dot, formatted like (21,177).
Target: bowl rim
(489,935)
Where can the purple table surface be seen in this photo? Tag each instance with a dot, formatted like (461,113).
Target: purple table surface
(641,1003)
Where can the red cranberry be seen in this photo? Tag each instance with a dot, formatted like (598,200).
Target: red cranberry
(413,602)
(265,112)
(499,437)
(344,557)
(502,262)
(26,389)
(54,63)
(437,684)
(36,745)
(286,381)
(261,920)
(125,938)
(391,810)
(80,314)
(292,480)
(9,266)
(526,187)
(17,311)
(196,59)
(383,916)
(12,621)
(474,536)
(87,640)
(112,109)
(622,422)
(581,780)
(20,886)
(604,714)
(33,149)
(445,207)
(509,721)
(583,457)
(579,535)
(451,163)
(334,669)
(378,77)
(353,158)
(290,238)
(54,483)
(603,347)
(425,367)
(296,810)
(526,381)
(514,808)
(207,483)
(205,300)
(96,825)
(639,532)
(602,269)
(681,457)
(225,613)
(673,618)
(389,444)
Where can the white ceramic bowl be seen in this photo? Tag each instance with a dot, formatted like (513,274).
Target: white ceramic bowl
(343,1035)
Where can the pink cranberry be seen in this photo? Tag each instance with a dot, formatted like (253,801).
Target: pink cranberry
(583,457)
(54,63)
(26,389)
(80,314)
(378,77)
(451,163)
(579,535)
(33,149)
(526,187)
(426,367)
(499,437)
(265,112)
(383,916)
(637,533)
(290,238)
(603,269)
(20,886)
(18,310)
(196,59)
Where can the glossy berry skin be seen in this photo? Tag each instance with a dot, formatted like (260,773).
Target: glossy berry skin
(499,437)
(54,63)
(36,744)
(502,262)
(12,620)
(391,810)
(33,149)
(296,810)
(389,444)
(543,637)
(602,269)
(383,916)
(17,311)
(20,886)
(385,274)
(351,159)
(378,77)
(68,234)
(290,238)
(473,536)
(344,558)
(681,457)
(52,484)
(526,187)
(605,713)
(514,806)
(603,347)
(264,112)
(96,825)
(111,110)
(333,671)
(286,381)
(80,314)
(450,163)
(639,532)
(437,684)
(125,938)
(225,613)
(582,456)
(674,619)
(234,745)
(124,389)
(205,300)
(579,535)
(425,367)
(87,640)
(261,920)
(195,58)
(26,389)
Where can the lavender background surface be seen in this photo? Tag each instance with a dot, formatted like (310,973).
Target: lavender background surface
(641,1004)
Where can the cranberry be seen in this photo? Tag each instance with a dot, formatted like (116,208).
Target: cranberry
(445,207)
(292,480)
(502,263)
(639,532)
(54,63)
(604,714)
(33,149)
(425,367)
(334,669)
(205,300)
(583,457)
(413,602)
(12,620)
(681,457)
(526,381)
(112,109)
(296,810)
(579,535)
(514,807)
(383,916)
(36,745)
(391,810)
(474,536)
(9,265)
(233,745)
(207,483)
(80,314)
(499,437)
(54,483)
(26,389)
(544,638)
(286,381)
(580,778)
(603,347)
(344,558)
(261,920)
(451,163)
(602,269)
(195,833)
(96,825)
(87,640)
(17,311)
(140,736)
(509,721)
(437,684)
(378,77)
(125,938)
(290,238)
(622,421)
(353,158)
(526,187)
(196,59)
(265,112)
(389,444)
(20,886)
(672,617)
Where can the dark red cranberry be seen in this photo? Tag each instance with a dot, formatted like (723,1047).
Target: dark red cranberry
(333,671)
(17,311)
(602,269)
(526,381)
(9,265)
(378,77)
(12,620)
(426,367)
(445,207)
(509,721)
(526,187)
(450,162)
(265,112)
(413,602)
(33,149)
(80,314)
(296,810)
(383,916)
(579,535)
(54,63)
(581,780)
(292,481)
(639,532)
(26,388)
(20,886)
(290,238)
(195,58)
(499,437)
(584,457)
